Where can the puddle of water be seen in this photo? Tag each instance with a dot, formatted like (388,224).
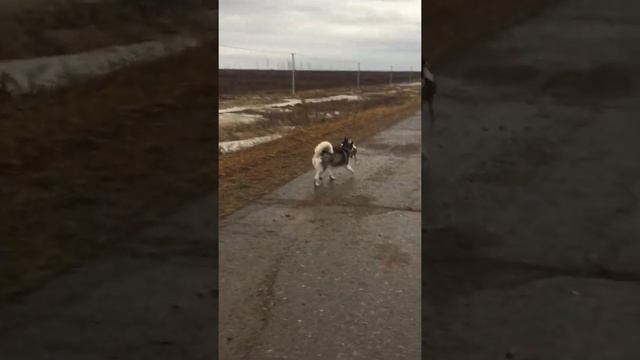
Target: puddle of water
(232,146)
(392,255)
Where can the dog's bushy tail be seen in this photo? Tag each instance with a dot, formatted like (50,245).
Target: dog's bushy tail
(322,147)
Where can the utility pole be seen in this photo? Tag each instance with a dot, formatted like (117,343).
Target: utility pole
(293,74)
(358,78)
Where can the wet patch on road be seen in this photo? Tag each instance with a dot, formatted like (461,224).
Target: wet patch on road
(337,198)
(391,256)
(357,206)
(397,150)
(360,200)
(353,203)
(381,175)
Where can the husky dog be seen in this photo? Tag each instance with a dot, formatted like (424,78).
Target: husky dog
(324,158)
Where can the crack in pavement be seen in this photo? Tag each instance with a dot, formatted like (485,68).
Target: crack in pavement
(266,295)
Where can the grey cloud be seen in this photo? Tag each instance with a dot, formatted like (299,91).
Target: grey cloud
(378,32)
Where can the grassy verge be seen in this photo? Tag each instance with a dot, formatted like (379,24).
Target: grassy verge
(247,175)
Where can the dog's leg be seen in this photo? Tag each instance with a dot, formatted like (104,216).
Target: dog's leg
(331,174)
(324,169)
(316,179)
(350,168)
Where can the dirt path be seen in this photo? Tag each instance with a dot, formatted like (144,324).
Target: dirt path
(332,272)
(531,198)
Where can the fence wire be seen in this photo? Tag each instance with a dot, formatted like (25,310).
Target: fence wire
(239,57)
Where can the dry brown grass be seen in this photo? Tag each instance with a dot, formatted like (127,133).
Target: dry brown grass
(247,175)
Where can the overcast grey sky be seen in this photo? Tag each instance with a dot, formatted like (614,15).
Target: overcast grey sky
(378,33)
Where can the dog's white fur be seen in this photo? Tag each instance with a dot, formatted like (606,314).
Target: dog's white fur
(325,145)
(316,160)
